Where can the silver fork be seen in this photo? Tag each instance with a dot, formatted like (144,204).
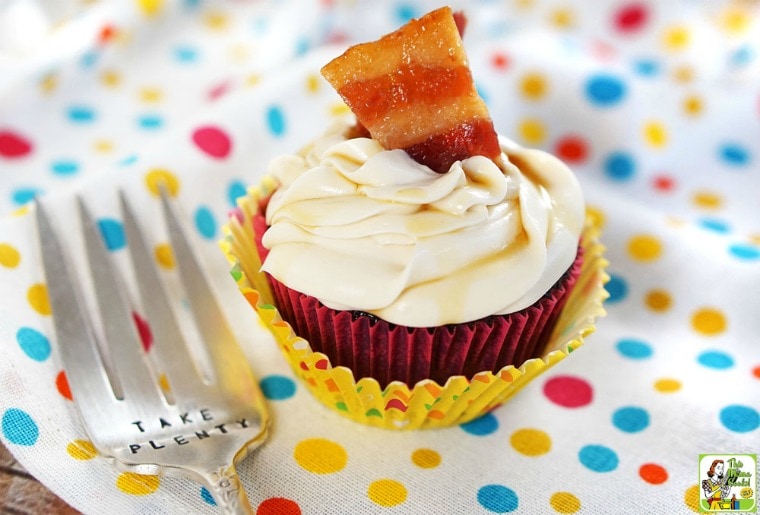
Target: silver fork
(199,425)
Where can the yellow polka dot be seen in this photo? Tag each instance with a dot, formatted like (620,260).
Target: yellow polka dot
(533,86)
(150,94)
(735,21)
(708,321)
(532,131)
(564,502)
(102,146)
(137,484)
(667,385)
(239,52)
(676,38)
(110,78)
(524,4)
(37,297)
(644,247)
(691,498)
(596,215)
(426,458)
(387,492)
(707,200)
(81,450)
(683,74)
(658,300)
(655,134)
(158,177)
(320,456)
(163,382)
(252,80)
(49,83)
(164,255)
(149,8)
(562,18)
(693,105)
(531,442)
(754,238)
(23,210)
(339,109)
(215,21)
(312,83)
(9,256)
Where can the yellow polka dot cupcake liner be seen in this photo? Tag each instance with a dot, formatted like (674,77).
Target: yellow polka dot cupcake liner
(427,404)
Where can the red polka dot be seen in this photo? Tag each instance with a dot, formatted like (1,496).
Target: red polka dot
(13,145)
(756,372)
(569,391)
(572,149)
(213,141)
(107,33)
(663,183)
(62,385)
(500,61)
(631,18)
(219,90)
(653,473)
(143,329)
(278,506)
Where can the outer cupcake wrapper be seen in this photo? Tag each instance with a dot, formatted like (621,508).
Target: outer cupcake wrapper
(428,404)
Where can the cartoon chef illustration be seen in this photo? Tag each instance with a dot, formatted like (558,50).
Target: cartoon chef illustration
(715,486)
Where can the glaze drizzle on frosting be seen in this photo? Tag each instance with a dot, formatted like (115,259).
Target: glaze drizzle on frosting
(368,229)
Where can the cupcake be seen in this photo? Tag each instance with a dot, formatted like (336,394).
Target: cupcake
(417,268)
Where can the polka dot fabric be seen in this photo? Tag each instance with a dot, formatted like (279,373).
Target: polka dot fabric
(654,105)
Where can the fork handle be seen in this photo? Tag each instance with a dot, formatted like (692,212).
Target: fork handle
(228,491)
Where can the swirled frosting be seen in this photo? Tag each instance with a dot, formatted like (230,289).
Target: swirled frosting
(368,229)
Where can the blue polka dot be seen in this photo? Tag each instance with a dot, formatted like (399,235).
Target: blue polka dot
(630,419)
(715,225)
(302,46)
(405,12)
(185,54)
(744,251)
(89,59)
(33,343)
(482,426)
(276,120)
(260,25)
(207,497)
(21,196)
(740,419)
(620,166)
(617,287)
(205,222)
(742,56)
(113,234)
(634,349)
(734,154)
(191,4)
(715,359)
(128,161)
(598,458)
(497,498)
(278,388)
(81,114)
(19,428)
(235,190)
(150,121)
(605,90)
(647,67)
(64,167)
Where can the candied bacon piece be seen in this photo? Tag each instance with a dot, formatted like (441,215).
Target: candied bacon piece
(412,89)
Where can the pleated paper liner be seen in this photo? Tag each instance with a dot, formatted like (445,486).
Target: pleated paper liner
(428,404)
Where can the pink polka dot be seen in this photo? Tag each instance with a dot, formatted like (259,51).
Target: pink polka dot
(219,90)
(569,391)
(631,18)
(143,329)
(213,141)
(13,145)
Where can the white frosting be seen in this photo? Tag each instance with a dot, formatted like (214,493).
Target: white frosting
(362,228)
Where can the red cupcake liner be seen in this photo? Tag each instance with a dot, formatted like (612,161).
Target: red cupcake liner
(372,347)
